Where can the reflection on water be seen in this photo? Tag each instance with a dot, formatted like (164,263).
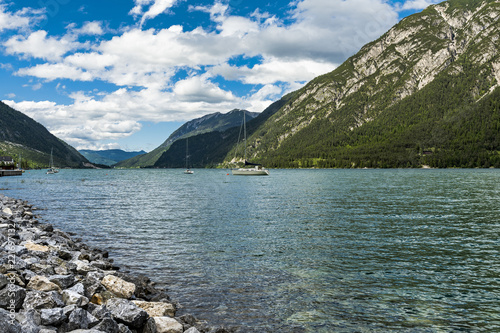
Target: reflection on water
(300,251)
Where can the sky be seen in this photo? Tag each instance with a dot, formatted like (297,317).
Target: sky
(124,74)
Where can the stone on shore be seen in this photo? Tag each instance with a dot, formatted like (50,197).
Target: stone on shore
(126,312)
(53,316)
(108,325)
(119,287)
(81,319)
(47,279)
(12,294)
(102,298)
(70,297)
(63,281)
(3,281)
(192,330)
(42,283)
(39,300)
(168,325)
(36,247)
(156,309)
(7,325)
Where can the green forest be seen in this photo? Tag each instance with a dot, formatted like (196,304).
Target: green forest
(453,122)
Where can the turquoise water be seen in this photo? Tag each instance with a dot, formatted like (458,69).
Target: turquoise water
(299,251)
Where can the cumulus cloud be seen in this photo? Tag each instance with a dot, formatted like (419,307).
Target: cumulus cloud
(156,7)
(51,72)
(38,45)
(93,28)
(18,20)
(199,89)
(273,70)
(418,4)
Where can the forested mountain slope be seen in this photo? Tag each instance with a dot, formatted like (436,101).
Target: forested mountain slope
(209,149)
(215,122)
(21,135)
(426,92)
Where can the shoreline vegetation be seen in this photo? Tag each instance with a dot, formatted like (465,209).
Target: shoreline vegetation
(51,282)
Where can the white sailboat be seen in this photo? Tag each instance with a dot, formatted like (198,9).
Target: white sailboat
(250,169)
(187,171)
(51,169)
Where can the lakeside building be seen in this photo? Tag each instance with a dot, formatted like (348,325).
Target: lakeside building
(8,167)
(7,163)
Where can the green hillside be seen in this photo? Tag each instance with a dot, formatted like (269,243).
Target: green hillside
(209,149)
(215,122)
(424,93)
(21,135)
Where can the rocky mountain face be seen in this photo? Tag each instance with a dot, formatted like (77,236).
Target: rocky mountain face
(215,122)
(21,135)
(455,41)
(209,123)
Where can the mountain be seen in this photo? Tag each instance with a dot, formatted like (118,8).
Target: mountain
(215,122)
(209,149)
(424,93)
(110,156)
(19,134)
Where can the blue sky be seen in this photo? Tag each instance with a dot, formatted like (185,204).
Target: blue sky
(127,73)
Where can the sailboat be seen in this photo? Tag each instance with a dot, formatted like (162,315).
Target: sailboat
(20,165)
(188,171)
(51,169)
(258,169)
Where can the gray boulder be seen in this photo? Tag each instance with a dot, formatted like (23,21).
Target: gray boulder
(12,294)
(81,319)
(63,281)
(30,321)
(7,323)
(72,297)
(3,281)
(39,300)
(127,312)
(108,325)
(53,316)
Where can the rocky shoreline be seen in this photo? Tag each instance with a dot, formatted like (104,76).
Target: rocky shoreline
(51,282)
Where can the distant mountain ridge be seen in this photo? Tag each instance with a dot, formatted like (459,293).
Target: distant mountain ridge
(109,157)
(21,135)
(209,149)
(215,122)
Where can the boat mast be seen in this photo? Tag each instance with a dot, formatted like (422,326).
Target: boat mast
(245,133)
(187,156)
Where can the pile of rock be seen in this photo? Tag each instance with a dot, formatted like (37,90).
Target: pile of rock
(52,283)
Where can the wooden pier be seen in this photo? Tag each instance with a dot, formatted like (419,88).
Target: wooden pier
(4,173)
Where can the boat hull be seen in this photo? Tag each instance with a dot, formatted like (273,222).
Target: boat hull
(250,172)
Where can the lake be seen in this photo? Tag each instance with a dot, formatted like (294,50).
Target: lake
(300,250)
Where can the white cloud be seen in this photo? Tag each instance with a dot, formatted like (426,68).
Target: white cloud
(18,20)
(198,89)
(93,28)
(51,72)
(38,45)
(156,8)
(418,4)
(273,70)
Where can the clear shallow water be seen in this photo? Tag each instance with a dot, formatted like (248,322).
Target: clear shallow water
(301,250)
